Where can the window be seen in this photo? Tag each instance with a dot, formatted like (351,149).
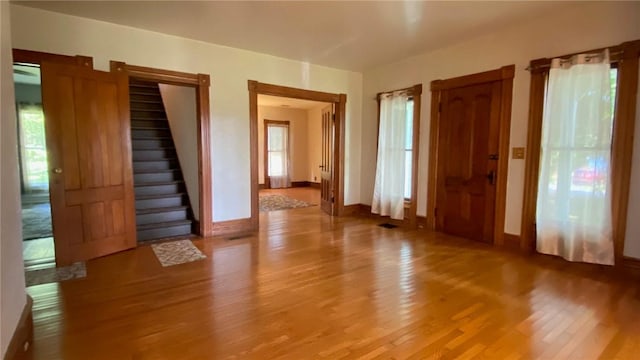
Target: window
(408,150)
(277,162)
(593,167)
(398,121)
(33,150)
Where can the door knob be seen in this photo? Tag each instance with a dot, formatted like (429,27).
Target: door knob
(57,171)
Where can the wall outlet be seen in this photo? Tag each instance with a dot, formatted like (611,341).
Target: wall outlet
(517,153)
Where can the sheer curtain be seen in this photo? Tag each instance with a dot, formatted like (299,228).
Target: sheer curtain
(278,158)
(573,217)
(388,194)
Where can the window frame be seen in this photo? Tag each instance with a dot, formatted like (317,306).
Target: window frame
(415,94)
(625,58)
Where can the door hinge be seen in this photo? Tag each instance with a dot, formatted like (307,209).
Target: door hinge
(334,116)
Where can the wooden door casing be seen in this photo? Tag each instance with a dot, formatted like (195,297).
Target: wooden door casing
(89,147)
(326,168)
(467,165)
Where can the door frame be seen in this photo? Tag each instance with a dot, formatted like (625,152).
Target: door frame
(266,123)
(338,100)
(201,83)
(504,74)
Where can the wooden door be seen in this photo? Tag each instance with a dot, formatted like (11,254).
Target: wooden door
(467,161)
(326,168)
(89,147)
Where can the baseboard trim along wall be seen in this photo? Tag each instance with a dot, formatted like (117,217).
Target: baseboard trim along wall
(23,336)
(232,227)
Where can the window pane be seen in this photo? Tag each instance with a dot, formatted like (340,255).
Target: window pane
(408,140)
(276,138)
(276,164)
(407,173)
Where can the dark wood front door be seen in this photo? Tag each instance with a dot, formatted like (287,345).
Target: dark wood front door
(326,168)
(91,183)
(467,160)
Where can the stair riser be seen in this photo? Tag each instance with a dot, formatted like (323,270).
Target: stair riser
(153,154)
(145,97)
(154,165)
(145,90)
(138,133)
(147,114)
(155,124)
(156,177)
(160,203)
(142,106)
(151,143)
(164,232)
(154,218)
(159,189)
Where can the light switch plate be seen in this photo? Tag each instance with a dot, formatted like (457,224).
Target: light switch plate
(517,153)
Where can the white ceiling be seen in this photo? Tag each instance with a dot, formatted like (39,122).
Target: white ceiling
(277,101)
(352,35)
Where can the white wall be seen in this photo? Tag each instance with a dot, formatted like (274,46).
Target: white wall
(314,138)
(229,69)
(576,28)
(12,287)
(298,139)
(180,106)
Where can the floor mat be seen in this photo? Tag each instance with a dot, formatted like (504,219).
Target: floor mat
(50,275)
(280,202)
(36,221)
(177,252)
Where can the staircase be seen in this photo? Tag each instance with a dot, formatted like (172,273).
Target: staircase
(162,203)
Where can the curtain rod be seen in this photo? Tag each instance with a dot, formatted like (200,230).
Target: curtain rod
(544,66)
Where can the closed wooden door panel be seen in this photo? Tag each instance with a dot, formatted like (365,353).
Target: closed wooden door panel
(326,169)
(88,137)
(468,148)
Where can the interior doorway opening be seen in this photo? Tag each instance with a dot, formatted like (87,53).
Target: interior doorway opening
(37,231)
(292,146)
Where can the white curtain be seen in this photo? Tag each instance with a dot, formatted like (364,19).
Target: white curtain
(388,194)
(573,217)
(279,164)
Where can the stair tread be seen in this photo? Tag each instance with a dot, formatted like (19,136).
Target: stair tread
(132,101)
(149,128)
(144,109)
(135,172)
(161,209)
(159,196)
(142,137)
(164,224)
(158,183)
(154,148)
(165,159)
(138,118)
(143,85)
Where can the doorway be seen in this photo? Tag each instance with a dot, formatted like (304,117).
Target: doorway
(292,155)
(37,232)
(334,191)
(469,149)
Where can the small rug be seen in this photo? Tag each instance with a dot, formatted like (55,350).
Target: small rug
(177,252)
(280,202)
(50,275)
(36,221)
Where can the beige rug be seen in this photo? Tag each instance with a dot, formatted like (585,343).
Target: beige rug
(280,202)
(50,275)
(177,252)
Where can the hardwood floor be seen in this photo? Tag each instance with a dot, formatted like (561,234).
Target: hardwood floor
(308,286)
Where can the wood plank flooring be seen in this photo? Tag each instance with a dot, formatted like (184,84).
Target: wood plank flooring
(311,287)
